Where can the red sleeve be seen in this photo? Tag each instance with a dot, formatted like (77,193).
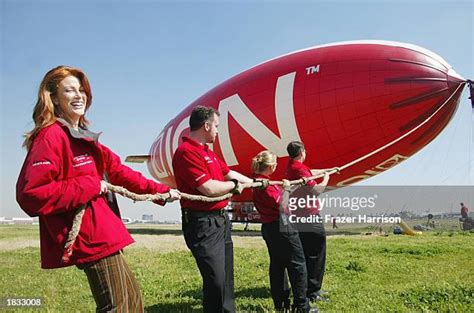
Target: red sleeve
(224,167)
(305,172)
(39,190)
(189,167)
(122,175)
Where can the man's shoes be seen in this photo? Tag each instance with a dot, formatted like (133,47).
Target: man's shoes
(286,307)
(320,295)
(320,299)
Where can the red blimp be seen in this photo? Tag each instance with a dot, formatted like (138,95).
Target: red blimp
(364,106)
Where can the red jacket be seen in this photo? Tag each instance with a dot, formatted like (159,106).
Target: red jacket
(61,172)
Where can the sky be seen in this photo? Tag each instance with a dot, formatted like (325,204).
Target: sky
(147,60)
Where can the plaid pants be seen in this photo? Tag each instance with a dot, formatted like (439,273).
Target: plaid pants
(113,285)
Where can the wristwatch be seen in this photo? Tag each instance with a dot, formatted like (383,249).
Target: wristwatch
(236,185)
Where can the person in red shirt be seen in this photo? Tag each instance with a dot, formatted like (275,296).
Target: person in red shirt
(464,211)
(282,240)
(466,222)
(312,235)
(206,226)
(64,170)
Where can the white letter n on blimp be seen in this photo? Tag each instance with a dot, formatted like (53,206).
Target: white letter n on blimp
(285,117)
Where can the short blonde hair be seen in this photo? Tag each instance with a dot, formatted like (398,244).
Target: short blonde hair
(263,160)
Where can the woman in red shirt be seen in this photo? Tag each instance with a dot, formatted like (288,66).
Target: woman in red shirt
(283,243)
(64,170)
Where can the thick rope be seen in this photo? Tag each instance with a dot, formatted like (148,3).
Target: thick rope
(72,235)
(76,225)
(162,197)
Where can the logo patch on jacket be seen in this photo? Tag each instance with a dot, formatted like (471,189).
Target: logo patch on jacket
(81,160)
(38,163)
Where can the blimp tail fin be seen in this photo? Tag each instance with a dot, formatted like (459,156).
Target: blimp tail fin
(137,158)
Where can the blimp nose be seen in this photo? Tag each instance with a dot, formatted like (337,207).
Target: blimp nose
(441,108)
(454,79)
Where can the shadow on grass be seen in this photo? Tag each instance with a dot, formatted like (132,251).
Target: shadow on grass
(190,302)
(255,292)
(258,292)
(172,307)
(193,299)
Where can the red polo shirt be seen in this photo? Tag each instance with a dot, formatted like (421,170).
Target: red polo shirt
(267,201)
(193,165)
(296,170)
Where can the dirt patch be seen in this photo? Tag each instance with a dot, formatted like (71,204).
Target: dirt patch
(249,242)
(18,243)
(169,243)
(163,243)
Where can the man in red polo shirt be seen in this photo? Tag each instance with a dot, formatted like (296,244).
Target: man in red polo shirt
(206,226)
(464,211)
(312,235)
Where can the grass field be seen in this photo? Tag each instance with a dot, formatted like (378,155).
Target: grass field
(433,272)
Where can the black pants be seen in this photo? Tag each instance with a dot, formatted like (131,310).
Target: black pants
(208,236)
(313,239)
(286,252)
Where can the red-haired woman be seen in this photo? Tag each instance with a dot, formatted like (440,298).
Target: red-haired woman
(64,170)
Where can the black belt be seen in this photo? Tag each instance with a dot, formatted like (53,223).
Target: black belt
(194,213)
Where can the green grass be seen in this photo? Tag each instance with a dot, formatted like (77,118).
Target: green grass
(433,272)
(8,232)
